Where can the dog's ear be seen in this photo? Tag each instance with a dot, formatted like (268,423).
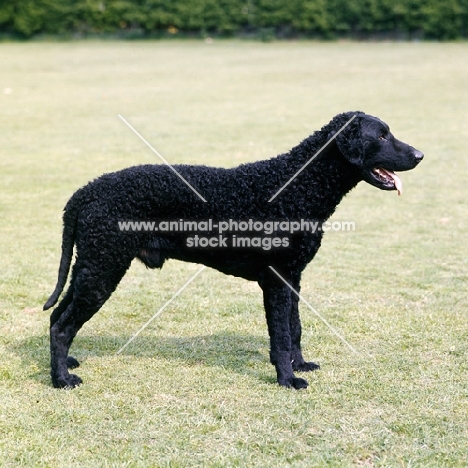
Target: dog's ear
(348,137)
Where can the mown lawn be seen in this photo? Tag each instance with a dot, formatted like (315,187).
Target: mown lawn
(196,387)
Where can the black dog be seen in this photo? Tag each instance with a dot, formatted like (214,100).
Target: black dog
(357,147)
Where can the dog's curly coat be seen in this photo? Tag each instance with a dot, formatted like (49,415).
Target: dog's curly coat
(364,150)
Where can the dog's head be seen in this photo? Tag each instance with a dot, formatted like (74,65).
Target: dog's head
(366,142)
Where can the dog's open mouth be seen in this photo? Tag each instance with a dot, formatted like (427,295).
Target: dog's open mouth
(388,178)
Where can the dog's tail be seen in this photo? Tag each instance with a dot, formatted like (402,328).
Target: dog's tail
(68,241)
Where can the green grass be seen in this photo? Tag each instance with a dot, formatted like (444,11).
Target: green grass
(196,388)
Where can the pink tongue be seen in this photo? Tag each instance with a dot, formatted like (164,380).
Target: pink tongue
(396,180)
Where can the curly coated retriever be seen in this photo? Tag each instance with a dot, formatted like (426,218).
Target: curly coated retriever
(256,204)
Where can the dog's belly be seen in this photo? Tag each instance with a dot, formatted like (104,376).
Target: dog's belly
(247,265)
(243,261)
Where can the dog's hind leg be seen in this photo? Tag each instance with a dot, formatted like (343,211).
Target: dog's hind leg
(298,362)
(88,291)
(58,311)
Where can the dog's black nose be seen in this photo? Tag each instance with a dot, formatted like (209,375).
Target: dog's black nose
(418,155)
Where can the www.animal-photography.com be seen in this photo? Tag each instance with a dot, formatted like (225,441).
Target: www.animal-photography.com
(233,234)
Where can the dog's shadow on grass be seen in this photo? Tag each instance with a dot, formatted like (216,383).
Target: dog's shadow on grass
(243,354)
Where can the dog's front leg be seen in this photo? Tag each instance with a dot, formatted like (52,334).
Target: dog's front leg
(277,302)
(298,362)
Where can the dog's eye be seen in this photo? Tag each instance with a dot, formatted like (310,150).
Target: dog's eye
(382,137)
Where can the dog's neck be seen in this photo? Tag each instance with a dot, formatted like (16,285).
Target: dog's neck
(326,170)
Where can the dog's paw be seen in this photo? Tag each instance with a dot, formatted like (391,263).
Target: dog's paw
(305,366)
(71,381)
(72,363)
(299,383)
(294,382)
